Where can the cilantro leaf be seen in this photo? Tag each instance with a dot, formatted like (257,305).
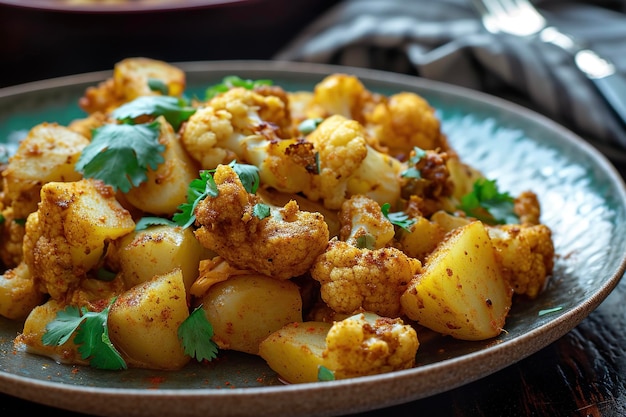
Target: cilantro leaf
(261,210)
(91,336)
(489,205)
(399,218)
(412,171)
(309,125)
(146,222)
(366,241)
(172,108)
(156,84)
(249,176)
(120,154)
(233,81)
(195,334)
(197,191)
(325,374)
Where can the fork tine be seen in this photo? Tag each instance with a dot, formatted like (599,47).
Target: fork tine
(518,17)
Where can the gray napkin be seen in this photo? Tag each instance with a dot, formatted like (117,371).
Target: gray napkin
(444,40)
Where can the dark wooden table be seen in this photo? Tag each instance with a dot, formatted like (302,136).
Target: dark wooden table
(583,374)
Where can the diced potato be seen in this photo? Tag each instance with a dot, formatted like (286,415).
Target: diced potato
(47,154)
(131,77)
(18,295)
(295,351)
(461,291)
(422,238)
(447,221)
(245,309)
(35,328)
(141,255)
(144,321)
(91,217)
(166,187)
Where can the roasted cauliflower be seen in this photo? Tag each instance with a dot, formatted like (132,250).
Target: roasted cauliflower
(282,245)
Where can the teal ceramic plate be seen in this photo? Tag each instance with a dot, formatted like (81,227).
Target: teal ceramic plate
(583,200)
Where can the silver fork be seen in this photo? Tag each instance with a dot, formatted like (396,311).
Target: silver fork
(521,18)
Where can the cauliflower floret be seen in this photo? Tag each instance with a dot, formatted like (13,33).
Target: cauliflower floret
(349,166)
(282,245)
(352,278)
(363,220)
(367,344)
(526,255)
(341,94)
(406,120)
(131,79)
(527,208)
(66,237)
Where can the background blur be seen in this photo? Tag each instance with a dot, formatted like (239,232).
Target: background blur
(38,42)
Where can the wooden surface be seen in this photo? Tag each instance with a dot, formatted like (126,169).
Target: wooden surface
(582,374)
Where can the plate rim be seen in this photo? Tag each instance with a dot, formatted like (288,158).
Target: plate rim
(14,384)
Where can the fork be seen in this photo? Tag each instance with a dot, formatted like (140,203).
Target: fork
(521,18)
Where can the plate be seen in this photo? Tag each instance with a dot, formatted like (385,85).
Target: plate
(583,200)
(118,6)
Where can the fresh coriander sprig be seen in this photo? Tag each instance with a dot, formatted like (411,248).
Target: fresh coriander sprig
(399,218)
(195,333)
(120,154)
(233,81)
(91,334)
(486,203)
(173,109)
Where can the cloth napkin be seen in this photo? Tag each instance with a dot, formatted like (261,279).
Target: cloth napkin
(444,40)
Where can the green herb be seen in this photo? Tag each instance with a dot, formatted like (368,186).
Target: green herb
(366,241)
(325,374)
(413,172)
(197,191)
(21,222)
(91,336)
(2,218)
(399,218)
(173,109)
(249,176)
(261,210)
(549,311)
(233,81)
(120,155)
(158,85)
(146,222)
(489,205)
(103,274)
(205,186)
(309,125)
(195,334)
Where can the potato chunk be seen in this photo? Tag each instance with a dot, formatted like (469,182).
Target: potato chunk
(296,350)
(18,294)
(245,309)
(141,255)
(47,154)
(461,291)
(144,321)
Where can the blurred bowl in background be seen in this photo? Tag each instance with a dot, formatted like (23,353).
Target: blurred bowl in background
(117,6)
(50,38)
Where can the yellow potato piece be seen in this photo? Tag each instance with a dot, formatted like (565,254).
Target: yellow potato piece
(461,291)
(141,255)
(144,321)
(295,351)
(245,309)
